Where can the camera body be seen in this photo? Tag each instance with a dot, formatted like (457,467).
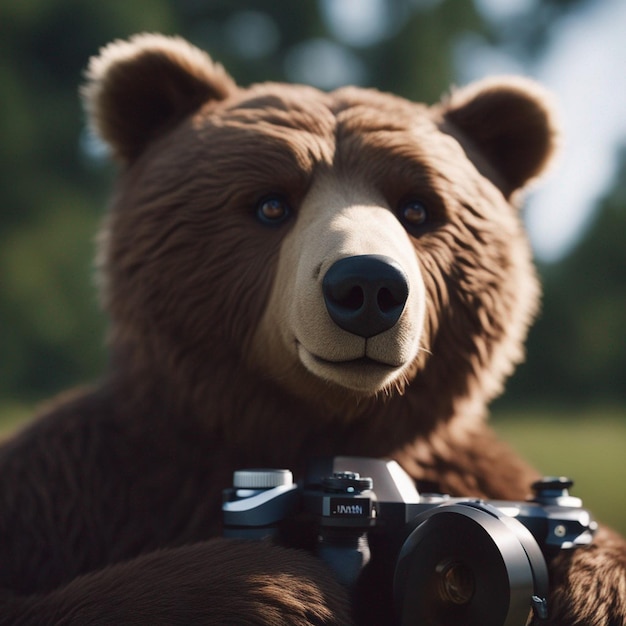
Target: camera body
(445,560)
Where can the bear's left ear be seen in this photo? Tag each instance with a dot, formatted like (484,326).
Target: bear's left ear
(138,89)
(510,122)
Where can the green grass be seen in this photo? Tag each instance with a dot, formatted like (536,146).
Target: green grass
(586,445)
(11,416)
(589,446)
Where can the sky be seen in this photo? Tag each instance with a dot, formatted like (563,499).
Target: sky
(584,67)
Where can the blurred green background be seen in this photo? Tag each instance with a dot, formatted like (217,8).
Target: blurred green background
(565,409)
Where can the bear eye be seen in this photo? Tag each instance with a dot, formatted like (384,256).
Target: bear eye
(413,214)
(272,210)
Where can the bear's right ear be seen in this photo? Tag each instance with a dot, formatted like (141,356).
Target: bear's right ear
(139,88)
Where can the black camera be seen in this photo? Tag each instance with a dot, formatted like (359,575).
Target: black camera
(446,561)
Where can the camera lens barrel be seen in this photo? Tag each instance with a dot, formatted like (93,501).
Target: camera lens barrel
(466,563)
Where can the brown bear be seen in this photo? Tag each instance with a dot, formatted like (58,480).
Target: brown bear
(288,274)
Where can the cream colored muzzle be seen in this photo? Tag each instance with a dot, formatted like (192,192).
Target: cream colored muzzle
(350,294)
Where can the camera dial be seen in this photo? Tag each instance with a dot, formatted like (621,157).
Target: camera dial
(346,482)
(554,490)
(258,500)
(262,478)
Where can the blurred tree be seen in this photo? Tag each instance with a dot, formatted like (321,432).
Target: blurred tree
(577,350)
(51,194)
(401,45)
(528,27)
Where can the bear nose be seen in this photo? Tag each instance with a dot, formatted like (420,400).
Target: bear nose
(365,294)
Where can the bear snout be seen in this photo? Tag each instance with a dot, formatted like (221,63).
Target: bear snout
(365,294)
(348,302)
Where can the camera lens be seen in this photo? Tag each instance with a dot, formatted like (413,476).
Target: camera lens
(456,583)
(463,565)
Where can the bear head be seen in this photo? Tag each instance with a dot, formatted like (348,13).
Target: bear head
(341,250)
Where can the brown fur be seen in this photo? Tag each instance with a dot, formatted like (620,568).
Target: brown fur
(110,501)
